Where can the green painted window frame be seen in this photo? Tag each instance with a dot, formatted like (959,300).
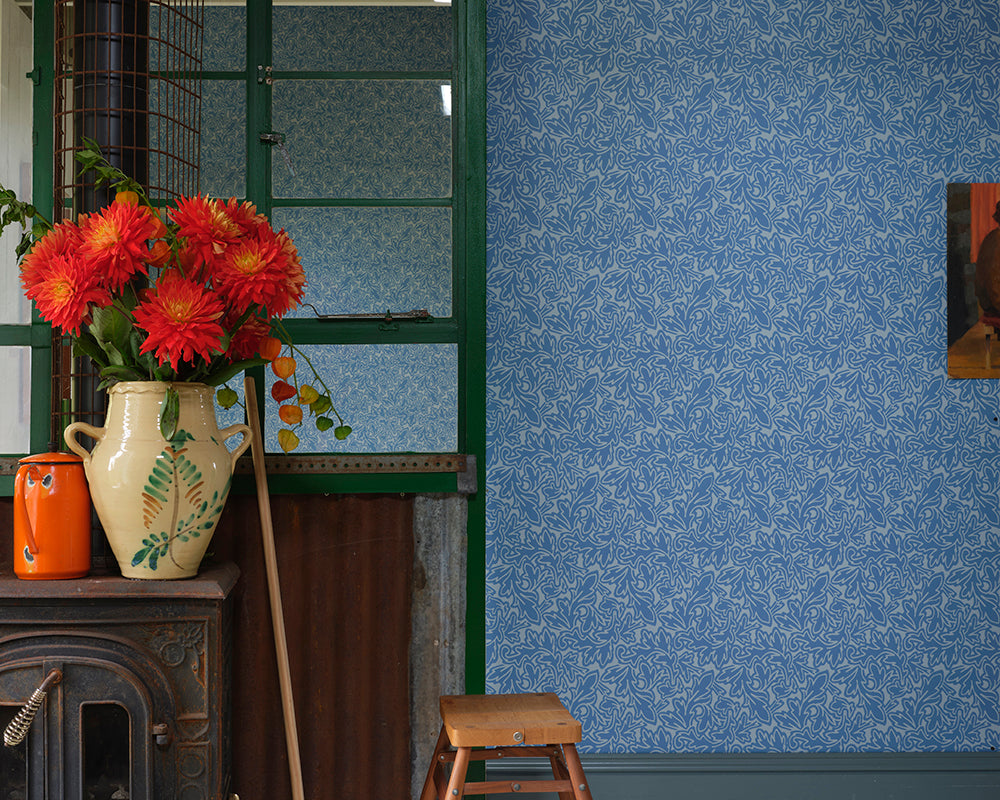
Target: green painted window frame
(466,327)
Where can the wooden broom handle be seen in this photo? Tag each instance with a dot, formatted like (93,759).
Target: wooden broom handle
(274,591)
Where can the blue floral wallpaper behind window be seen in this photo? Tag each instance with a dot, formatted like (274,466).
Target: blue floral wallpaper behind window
(734,502)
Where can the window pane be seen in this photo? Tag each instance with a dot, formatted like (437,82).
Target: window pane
(14,307)
(225,41)
(15,151)
(362,139)
(368,260)
(223,139)
(397,398)
(362,38)
(15,399)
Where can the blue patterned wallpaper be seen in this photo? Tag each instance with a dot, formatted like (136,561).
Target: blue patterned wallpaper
(734,502)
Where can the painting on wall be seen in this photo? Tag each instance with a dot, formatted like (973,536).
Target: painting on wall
(973,280)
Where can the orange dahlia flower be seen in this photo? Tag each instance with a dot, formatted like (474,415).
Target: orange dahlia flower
(114,242)
(182,319)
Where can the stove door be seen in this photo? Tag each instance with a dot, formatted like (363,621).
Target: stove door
(92,739)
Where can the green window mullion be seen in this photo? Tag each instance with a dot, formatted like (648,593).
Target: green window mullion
(303,75)
(361,202)
(346,331)
(43,135)
(258,93)
(470,39)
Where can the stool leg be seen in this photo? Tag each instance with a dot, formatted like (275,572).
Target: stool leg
(560,773)
(435,772)
(456,785)
(581,790)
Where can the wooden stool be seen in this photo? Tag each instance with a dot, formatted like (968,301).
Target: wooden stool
(514,725)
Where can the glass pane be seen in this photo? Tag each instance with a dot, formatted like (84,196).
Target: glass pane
(362,38)
(15,152)
(15,399)
(397,398)
(107,773)
(225,40)
(354,139)
(14,308)
(368,260)
(13,761)
(223,139)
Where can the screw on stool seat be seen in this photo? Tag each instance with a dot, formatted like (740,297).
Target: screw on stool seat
(483,727)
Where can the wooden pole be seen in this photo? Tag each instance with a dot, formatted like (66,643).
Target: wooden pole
(274,591)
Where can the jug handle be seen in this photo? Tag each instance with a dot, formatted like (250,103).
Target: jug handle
(232,430)
(69,436)
(21,509)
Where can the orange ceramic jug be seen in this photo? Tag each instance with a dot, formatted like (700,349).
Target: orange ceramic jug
(51,517)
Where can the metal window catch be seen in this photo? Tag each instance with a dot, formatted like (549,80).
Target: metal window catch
(14,733)
(278,140)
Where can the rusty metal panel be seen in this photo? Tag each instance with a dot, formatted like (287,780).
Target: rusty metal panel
(345,563)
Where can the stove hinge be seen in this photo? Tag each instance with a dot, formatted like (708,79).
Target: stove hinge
(161,735)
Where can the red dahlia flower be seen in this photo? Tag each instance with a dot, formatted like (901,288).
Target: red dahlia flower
(182,319)
(248,339)
(259,269)
(63,239)
(206,225)
(113,242)
(65,292)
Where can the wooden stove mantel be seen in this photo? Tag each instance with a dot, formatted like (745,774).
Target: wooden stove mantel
(215,581)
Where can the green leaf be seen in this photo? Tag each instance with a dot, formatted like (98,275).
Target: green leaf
(112,331)
(169,413)
(121,372)
(230,371)
(324,423)
(86,346)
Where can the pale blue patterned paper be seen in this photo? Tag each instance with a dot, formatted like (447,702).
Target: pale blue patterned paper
(362,139)
(374,387)
(370,260)
(370,38)
(734,503)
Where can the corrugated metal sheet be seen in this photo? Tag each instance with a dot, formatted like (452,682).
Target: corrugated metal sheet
(345,564)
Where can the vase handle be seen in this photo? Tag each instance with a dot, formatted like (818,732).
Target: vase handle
(69,435)
(232,430)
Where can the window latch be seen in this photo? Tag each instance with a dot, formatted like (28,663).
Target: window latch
(278,140)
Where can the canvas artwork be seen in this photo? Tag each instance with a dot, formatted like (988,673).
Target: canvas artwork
(973,280)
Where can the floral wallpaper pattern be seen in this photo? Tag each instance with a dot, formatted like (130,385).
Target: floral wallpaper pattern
(734,502)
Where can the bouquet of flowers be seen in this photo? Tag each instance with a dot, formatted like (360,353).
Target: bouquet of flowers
(194,293)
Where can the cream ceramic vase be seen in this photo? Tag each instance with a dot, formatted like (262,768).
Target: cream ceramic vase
(158,500)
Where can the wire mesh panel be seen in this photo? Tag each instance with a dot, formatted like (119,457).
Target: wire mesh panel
(127,76)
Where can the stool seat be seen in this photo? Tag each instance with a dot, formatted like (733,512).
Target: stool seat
(480,727)
(507,719)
